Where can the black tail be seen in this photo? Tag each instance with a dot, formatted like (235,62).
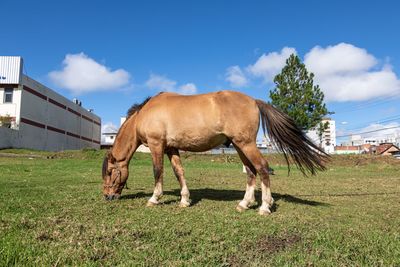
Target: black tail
(291,140)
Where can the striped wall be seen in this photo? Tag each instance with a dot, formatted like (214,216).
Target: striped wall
(49,121)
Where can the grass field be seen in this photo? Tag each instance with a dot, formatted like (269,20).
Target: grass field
(52,213)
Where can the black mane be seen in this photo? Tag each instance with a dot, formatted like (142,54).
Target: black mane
(136,107)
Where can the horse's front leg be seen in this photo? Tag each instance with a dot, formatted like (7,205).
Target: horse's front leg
(157,154)
(174,157)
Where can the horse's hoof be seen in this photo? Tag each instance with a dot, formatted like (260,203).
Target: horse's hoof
(184,204)
(264,212)
(271,203)
(151,204)
(240,208)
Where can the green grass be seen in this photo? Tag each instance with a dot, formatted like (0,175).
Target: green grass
(52,213)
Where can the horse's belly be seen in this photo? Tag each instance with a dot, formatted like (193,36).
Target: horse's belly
(196,142)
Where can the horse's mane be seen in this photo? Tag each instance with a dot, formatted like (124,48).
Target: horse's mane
(136,107)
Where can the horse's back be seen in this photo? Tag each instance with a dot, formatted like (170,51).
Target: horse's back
(202,121)
(222,105)
(222,100)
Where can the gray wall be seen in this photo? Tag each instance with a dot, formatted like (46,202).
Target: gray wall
(49,121)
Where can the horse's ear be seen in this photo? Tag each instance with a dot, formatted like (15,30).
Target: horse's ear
(107,158)
(110,157)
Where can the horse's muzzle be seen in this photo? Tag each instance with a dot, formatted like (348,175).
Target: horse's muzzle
(111,197)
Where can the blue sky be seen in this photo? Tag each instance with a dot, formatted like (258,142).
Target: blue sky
(114,53)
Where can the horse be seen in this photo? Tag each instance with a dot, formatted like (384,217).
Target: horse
(169,122)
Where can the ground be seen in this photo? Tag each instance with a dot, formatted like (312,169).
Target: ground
(52,213)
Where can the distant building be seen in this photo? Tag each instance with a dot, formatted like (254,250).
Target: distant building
(108,139)
(328,139)
(122,120)
(357,140)
(387,149)
(264,143)
(35,117)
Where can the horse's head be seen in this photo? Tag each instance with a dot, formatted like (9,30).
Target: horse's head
(115,175)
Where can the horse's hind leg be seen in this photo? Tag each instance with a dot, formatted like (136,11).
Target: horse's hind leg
(157,154)
(251,182)
(260,164)
(173,155)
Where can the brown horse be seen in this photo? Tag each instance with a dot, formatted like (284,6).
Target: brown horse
(170,122)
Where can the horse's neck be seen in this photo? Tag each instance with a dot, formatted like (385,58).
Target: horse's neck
(126,142)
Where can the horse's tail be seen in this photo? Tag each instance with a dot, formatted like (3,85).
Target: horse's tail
(283,131)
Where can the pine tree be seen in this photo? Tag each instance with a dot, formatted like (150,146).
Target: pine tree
(296,95)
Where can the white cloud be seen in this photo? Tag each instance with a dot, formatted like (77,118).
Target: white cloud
(348,73)
(269,65)
(342,58)
(81,74)
(343,71)
(109,127)
(187,89)
(235,76)
(162,83)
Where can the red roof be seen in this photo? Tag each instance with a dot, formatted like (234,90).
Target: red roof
(347,148)
(383,147)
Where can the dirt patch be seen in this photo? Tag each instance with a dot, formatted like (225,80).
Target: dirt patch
(273,244)
(44,237)
(265,246)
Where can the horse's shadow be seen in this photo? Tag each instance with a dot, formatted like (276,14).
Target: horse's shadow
(197,195)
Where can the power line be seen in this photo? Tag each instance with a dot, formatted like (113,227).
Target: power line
(373,131)
(383,120)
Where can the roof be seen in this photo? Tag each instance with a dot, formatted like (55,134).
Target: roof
(346,148)
(109,133)
(384,147)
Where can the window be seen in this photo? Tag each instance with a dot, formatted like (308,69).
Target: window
(8,95)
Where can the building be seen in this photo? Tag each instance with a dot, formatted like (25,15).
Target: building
(358,140)
(36,117)
(264,143)
(108,136)
(387,149)
(108,139)
(327,140)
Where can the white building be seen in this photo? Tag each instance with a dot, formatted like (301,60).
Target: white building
(263,143)
(328,139)
(41,118)
(109,138)
(358,140)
